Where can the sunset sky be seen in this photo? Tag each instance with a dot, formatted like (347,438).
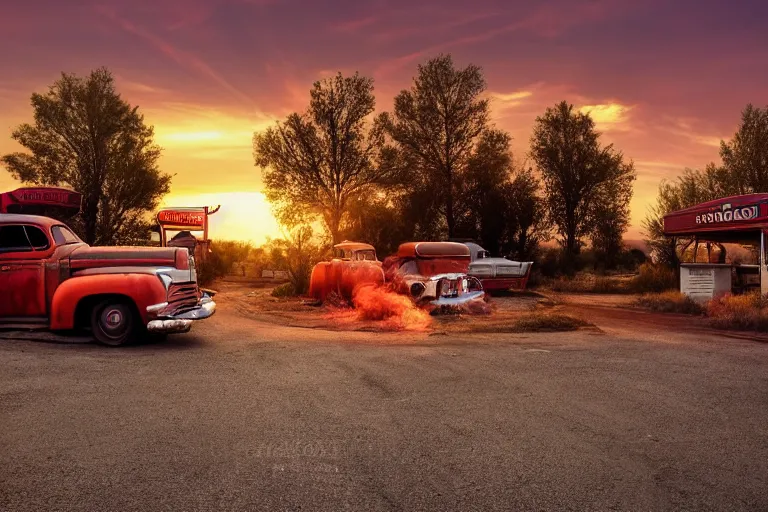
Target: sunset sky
(665,80)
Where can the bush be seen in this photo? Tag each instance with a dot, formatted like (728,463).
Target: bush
(588,284)
(547,322)
(653,278)
(670,302)
(284,290)
(747,312)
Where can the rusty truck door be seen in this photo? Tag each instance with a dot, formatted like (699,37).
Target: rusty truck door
(22,272)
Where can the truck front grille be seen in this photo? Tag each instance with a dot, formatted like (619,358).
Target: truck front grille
(182,297)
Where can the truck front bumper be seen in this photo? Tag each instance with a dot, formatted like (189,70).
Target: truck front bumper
(183,321)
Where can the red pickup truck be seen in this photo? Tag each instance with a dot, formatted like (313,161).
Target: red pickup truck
(50,279)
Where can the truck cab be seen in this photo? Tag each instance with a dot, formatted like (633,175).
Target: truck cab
(51,279)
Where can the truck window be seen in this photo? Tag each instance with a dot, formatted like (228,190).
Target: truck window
(37,238)
(14,239)
(62,235)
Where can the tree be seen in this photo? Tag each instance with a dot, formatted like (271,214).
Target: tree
(500,204)
(87,137)
(436,124)
(526,224)
(745,156)
(579,175)
(318,162)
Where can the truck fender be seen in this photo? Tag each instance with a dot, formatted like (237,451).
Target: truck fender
(143,289)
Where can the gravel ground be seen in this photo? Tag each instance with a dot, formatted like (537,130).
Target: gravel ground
(242,414)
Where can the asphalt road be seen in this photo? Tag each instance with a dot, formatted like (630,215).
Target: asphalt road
(241,415)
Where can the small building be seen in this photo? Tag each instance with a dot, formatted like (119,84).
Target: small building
(741,220)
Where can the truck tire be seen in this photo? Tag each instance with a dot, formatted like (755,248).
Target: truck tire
(113,323)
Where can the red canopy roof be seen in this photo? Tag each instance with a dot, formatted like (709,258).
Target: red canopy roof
(34,199)
(729,214)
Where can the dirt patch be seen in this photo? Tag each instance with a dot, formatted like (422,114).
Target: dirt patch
(525,312)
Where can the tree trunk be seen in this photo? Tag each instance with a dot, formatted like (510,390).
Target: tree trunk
(449,214)
(90,216)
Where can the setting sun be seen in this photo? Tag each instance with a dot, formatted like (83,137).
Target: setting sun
(243,216)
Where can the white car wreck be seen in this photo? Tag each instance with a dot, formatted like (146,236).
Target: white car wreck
(497,274)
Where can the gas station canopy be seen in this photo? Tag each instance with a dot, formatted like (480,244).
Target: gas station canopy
(40,201)
(720,219)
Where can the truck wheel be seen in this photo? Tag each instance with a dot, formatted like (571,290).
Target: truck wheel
(113,323)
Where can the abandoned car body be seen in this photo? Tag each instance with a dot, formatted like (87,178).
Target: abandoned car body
(353,264)
(498,274)
(429,272)
(51,279)
(434,273)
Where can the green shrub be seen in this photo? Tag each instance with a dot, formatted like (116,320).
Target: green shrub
(284,290)
(670,302)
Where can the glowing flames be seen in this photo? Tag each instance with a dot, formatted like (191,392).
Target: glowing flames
(389,310)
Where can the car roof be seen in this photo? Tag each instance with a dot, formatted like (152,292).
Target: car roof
(354,246)
(18,218)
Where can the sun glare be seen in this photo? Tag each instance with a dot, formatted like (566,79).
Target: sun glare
(244,216)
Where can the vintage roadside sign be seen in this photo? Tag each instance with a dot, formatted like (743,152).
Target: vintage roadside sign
(191,218)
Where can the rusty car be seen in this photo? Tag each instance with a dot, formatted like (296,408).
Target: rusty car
(431,273)
(50,279)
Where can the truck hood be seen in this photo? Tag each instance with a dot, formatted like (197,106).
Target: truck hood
(94,257)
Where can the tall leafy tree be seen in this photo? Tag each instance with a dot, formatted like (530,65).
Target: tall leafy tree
(745,156)
(580,176)
(86,136)
(500,204)
(525,215)
(436,124)
(318,162)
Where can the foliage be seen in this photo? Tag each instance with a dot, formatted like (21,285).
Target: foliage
(500,205)
(747,312)
(87,137)
(587,186)
(377,220)
(654,278)
(589,284)
(318,162)
(670,302)
(221,258)
(298,252)
(745,156)
(284,290)
(546,322)
(436,124)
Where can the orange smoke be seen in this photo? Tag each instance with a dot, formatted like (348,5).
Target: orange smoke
(389,310)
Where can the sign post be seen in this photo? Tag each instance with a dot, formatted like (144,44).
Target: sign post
(186,219)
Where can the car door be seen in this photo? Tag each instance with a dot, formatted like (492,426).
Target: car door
(22,272)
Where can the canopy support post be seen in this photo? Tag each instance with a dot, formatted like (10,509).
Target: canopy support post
(763,265)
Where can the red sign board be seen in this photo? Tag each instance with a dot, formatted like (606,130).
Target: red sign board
(186,218)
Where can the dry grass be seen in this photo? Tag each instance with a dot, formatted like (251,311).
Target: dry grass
(587,283)
(545,321)
(670,302)
(653,279)
(739,312)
